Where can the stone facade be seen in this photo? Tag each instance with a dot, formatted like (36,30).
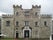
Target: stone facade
(52,26)
(52,31)
(0,25)
(27,23)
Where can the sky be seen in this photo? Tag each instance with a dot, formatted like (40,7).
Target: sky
(6,6)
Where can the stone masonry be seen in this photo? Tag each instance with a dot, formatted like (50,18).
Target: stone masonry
(27,23)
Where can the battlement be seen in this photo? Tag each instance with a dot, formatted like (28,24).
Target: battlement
(46,16)
(17,6)
(36,6)
(8,15)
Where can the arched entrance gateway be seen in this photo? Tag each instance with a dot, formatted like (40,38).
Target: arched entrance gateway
(27,32)
(17,34)
(52,36)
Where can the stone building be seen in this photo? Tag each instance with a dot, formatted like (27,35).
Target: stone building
(52,30)
(0,27)
(26,23)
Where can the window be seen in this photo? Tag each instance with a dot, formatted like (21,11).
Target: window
(7,23)
(36,23)
(26,13)
(16,23)
(16,13)
(0,32)
(45,23)
(26,23)
(36,13)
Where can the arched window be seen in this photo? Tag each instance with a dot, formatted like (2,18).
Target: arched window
(36,13)
(7,23)
(45,23)
(26,23)
(16,13)
(17,23)
(36,23)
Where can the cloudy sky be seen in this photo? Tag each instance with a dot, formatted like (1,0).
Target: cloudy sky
(6,6)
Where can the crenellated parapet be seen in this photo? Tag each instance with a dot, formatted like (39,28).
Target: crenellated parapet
(46,16)
(14,6)
(36,6)
(7,16)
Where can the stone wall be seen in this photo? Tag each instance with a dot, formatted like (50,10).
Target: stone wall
(39,31)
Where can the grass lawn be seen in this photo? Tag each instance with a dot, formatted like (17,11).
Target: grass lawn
(16,39)
(25,39)
(10,39)
(7,39)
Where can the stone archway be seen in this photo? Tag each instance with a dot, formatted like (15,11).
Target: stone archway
(52,36)
(27,32)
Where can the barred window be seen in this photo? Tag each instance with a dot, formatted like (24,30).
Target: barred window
(16,13)
(17,23)
(7,23)
(45,23)
(36,13)
(36,23)
(26,13)
(26,23)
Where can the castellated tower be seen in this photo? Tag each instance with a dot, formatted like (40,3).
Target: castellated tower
(27,23)
(35,9)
